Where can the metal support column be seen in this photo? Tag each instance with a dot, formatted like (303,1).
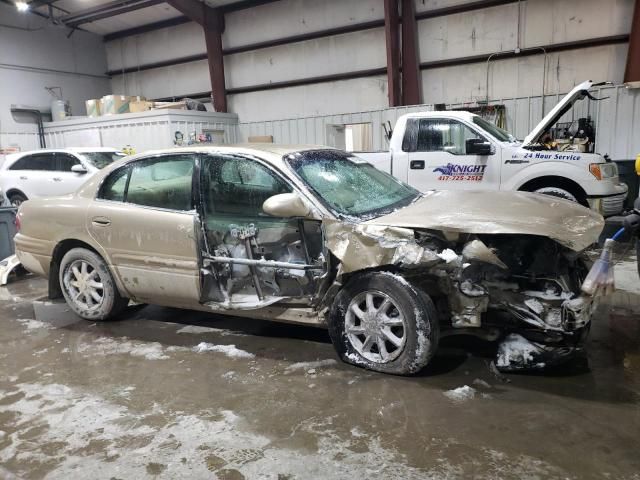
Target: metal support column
(410,62)
(632,72)
(392,36)
(212,21)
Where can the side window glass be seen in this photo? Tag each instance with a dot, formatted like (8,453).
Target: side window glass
(114,186)
(65,162)
(41,161)
(238,186)
(410,136)
(443,135)
(163,182)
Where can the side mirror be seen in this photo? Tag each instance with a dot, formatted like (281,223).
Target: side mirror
(476,146)
(77,168)
(286,205)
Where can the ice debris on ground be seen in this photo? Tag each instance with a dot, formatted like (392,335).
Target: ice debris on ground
(461,394)
(197,329)
(229,350)
(308,366)
(478,382)
(108,346)
(31,324)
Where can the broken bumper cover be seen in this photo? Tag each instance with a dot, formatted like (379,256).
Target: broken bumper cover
(517,353)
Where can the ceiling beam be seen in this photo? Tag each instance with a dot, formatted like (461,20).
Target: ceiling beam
(107,10)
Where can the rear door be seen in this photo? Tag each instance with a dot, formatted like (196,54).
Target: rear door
(31,174)
(438,158)
(144,219)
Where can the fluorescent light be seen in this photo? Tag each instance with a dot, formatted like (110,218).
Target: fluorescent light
(22,6)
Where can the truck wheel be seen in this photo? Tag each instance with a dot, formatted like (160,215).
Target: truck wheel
(16,199)
(557,192)
(380,322)
(88,287)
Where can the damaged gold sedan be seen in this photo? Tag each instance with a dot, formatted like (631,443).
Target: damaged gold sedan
(316,236)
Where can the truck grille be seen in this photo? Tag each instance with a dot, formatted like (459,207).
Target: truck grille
(613,205)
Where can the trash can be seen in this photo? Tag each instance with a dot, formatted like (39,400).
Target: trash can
(7,231)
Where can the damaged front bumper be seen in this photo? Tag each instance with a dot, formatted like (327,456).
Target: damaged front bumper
(493,286)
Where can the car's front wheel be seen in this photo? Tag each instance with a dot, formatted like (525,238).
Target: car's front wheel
(88,287)
(381,322)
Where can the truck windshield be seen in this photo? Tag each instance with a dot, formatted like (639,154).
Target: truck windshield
(497,132)
(102,159)
(348,185)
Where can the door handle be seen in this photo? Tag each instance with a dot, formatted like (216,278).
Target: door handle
(22,177)
(101,221)
(57,179)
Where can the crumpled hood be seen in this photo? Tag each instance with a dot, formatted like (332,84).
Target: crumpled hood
(568,223)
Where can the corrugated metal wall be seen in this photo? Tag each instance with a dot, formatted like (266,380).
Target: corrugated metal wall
(617,121)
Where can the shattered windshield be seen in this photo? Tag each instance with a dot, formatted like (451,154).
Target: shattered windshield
(102,159)
(497,132)
(348,185)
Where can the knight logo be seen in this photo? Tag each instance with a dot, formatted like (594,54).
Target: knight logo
(460,173)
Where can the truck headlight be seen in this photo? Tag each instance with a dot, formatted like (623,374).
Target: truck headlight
(604,170)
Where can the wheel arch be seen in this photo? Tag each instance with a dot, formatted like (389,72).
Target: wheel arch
(556,181)
(13,191)
(59,251)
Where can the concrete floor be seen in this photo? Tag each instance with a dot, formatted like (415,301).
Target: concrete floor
(176,394)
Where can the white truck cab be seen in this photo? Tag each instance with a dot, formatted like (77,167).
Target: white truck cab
(455,150)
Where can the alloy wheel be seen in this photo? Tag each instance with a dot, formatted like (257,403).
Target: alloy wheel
(84,285)
(375,327)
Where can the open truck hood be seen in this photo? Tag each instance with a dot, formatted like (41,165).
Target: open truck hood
(568,223)
(578,93)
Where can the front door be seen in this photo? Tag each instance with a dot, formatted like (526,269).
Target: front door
(438,157)
(243,242)
(63,180)
(144,219)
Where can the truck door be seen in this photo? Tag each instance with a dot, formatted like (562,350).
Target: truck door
(446,154)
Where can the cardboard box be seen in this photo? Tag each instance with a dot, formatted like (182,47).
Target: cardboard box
(114,104)
(170,105)
(93,107)
(140,106)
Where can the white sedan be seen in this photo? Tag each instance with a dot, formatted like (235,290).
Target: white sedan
(51,172)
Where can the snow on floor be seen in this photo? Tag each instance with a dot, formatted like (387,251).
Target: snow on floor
(461,394)
(104,346)
(56,431)
(310,365)
(195,329)
(31,324)
(229,350)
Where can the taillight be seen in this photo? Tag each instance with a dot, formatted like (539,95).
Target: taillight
(17,223)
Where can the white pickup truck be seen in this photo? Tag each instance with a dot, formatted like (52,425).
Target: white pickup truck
(454,150)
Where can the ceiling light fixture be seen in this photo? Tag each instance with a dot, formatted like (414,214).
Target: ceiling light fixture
(22,6)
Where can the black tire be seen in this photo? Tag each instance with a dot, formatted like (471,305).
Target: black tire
(420,331)
(76,289)
(17,198)
(557,192)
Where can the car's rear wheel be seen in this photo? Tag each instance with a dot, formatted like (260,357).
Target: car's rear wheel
(16,199)
(88,287)
(381,322)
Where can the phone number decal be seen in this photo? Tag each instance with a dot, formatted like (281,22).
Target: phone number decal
(452,172)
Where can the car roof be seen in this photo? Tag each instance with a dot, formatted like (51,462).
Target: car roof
(271,152)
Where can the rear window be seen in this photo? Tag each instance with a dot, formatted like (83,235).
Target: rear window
(38,161)
(102,159)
